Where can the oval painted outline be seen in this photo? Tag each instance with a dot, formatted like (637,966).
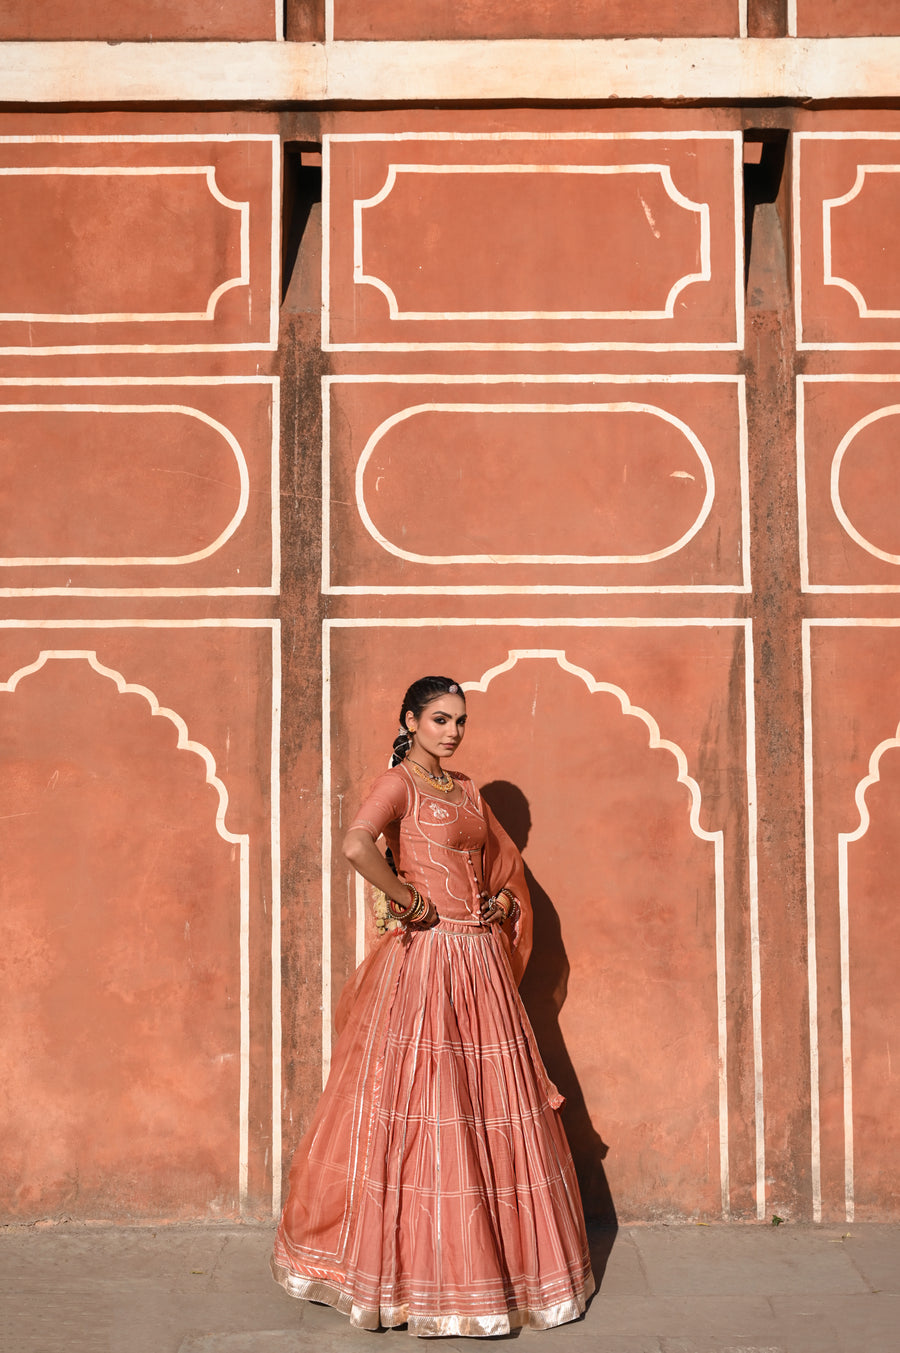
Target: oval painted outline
(19,561)
(889,411)
(618,407)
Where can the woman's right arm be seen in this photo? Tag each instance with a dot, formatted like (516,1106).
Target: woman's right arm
(367,859)
(387,802)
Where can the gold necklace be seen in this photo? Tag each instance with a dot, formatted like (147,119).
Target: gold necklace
(445,785)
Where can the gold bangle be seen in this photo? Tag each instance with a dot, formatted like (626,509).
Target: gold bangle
(421,911)
(512,900)
(420,905)
(404,913)
(497,908)
(425,911)
(415,912)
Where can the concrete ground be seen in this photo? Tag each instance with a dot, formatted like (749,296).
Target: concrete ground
(685,1289)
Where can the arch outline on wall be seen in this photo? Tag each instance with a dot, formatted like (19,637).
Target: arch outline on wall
(239,839)
(844,840)
(717,838)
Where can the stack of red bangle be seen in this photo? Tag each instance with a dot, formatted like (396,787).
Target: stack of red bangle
(414,913)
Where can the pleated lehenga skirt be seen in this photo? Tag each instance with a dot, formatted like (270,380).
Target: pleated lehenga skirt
(435,1186)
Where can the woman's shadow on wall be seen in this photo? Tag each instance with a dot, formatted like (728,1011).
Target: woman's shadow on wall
(543,991)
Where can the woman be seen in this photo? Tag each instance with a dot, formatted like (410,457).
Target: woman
(435,1186)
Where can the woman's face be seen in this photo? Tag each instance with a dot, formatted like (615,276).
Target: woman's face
(440,727)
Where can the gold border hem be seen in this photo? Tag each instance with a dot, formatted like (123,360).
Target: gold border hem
(433,1326)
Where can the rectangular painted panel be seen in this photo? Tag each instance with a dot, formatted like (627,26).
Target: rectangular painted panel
(139,485)
(430,19)
(139,781)
(847,430)
(139,20)
(588,740)
(150,244)
(853,791)
(612,483)
(846,18)
(579,240)
(847,274)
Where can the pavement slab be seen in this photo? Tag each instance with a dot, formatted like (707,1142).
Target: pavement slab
(873,1250)
(663,1289)
(861,1324)
(707,1259)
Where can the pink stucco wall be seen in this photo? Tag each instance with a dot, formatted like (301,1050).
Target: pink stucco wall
(644,402)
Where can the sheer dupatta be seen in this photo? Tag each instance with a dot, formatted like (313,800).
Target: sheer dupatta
(503,868)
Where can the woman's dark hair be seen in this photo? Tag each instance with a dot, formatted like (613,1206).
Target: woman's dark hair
(420,694)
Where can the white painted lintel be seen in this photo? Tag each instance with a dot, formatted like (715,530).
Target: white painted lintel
(394,72)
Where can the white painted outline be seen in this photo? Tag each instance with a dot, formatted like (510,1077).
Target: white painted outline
(658,742)
(802,505)
(549,559)
(211,138)
(759,1108)
(275,950)
(20,561)
(274,626)
(326,852)
(664,172)
(811,946)
(742,19)
(844,839)
(207,171)
(736,139)
(828,206)
(802,345)
(55,382)
(889,411)
(239,839)
(493,589)
(825,589)
(716,838)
